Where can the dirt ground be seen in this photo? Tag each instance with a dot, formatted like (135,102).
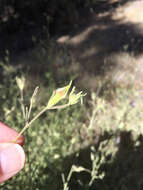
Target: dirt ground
(104,46)
(108,44)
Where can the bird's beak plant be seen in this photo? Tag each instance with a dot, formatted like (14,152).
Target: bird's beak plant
(53,103)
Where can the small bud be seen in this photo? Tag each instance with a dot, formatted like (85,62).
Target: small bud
(58,95)
(33,98)
(74,98)
(78,168)
(20,82)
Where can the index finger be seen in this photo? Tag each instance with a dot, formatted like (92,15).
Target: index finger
(8,134)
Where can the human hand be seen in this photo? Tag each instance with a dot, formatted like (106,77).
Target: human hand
(12,156)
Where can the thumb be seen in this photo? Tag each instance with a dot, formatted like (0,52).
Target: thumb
(12,159)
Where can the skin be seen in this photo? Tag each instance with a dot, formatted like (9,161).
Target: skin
(12,156)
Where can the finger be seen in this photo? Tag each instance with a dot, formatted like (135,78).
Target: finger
(8,134)
(12,160)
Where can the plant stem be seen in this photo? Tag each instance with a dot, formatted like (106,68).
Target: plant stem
(59,107)
(36,117)
(31,102)
(28,124)
(22,105)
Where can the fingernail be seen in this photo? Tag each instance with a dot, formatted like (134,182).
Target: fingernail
(9,135)
(12,159)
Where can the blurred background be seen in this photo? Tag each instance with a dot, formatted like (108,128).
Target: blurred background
(98,44)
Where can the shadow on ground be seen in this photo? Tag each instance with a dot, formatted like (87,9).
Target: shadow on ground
(100,43)
(123,170)
(105,42)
